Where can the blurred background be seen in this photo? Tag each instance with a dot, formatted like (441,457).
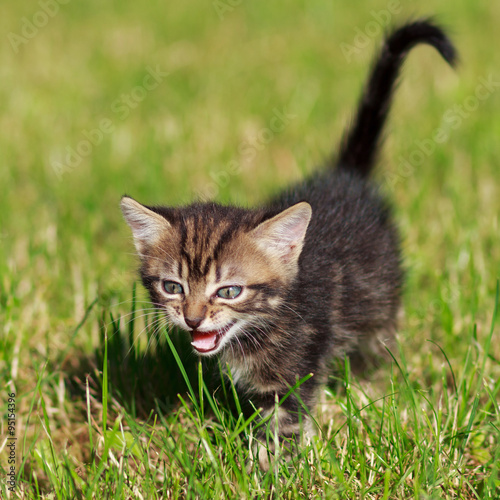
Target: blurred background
(170,102)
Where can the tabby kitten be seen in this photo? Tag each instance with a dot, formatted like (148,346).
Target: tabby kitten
(278,291)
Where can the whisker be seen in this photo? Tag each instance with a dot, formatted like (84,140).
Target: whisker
(293,310)
(146,328)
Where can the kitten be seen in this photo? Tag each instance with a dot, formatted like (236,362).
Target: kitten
(278,291)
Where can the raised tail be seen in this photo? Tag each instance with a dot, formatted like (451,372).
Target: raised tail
(359,146)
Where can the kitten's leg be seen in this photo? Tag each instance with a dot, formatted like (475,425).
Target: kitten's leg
(288,423)
(373,350)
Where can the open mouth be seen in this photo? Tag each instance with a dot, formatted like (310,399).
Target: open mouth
(205,342)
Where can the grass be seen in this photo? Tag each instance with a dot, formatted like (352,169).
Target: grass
(107,404)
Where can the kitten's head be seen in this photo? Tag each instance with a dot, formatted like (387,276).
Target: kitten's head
(217,271)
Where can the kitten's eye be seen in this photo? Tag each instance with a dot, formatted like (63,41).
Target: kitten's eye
(228,292)
(172,287)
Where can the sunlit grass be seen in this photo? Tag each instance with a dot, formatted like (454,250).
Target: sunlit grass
(104,407)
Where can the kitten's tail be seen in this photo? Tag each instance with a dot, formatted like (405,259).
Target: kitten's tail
(359,146)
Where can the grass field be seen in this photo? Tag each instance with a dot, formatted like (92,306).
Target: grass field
(99,99)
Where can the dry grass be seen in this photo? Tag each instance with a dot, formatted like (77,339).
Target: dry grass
(427,427)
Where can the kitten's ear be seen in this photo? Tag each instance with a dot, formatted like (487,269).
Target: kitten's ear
(147,226)
(282,237)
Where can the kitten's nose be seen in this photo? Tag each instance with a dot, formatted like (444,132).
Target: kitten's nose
(193,323)
(194,314)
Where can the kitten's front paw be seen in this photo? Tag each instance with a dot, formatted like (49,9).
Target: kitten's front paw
(281,438)
(267,455)
(263,454)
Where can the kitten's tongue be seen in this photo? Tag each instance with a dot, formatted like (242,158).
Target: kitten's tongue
(204,341)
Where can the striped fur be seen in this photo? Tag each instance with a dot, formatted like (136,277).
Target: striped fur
(314,274)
